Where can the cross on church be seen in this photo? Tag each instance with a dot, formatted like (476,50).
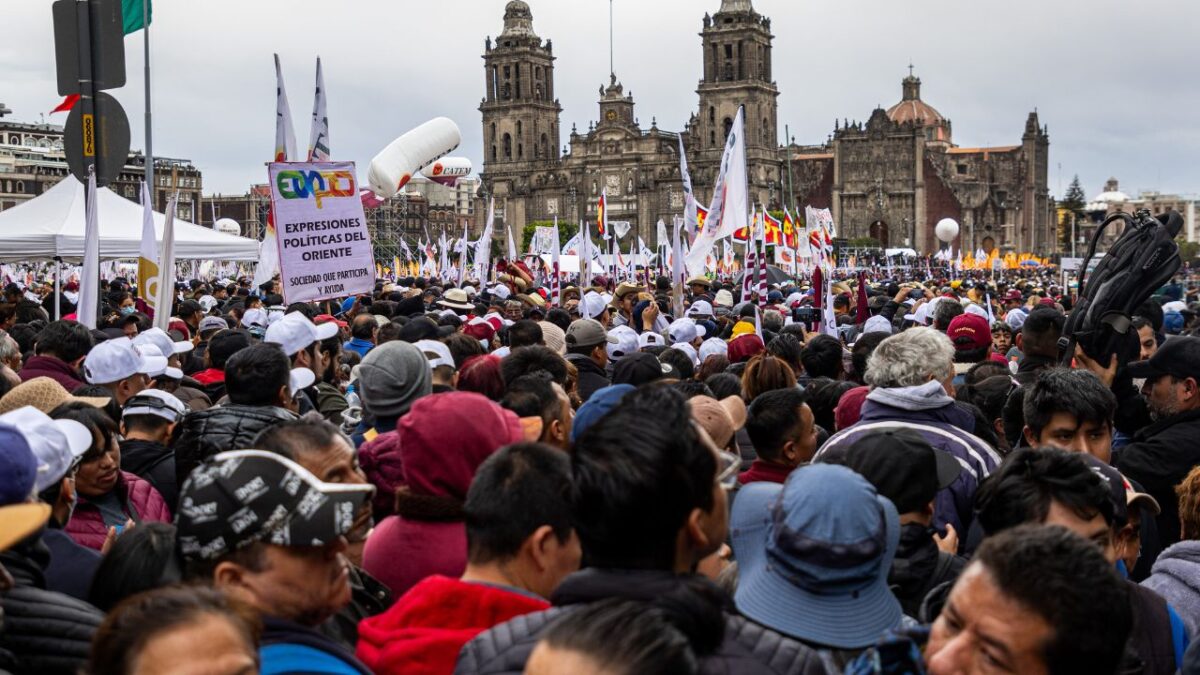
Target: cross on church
(910,69)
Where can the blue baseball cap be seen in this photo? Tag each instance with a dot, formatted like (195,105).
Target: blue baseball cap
(814,555)
(597,406)
(18,467)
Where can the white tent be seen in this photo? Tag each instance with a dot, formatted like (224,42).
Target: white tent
(52,224)
(570,264)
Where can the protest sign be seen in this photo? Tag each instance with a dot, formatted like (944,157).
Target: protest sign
(544,239)
(324,248)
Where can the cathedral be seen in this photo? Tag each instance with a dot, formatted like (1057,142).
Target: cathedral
(890,178)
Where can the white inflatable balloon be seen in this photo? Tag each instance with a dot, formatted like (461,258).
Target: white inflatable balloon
(946,229)
(227,226)
(395,165)
(448,170)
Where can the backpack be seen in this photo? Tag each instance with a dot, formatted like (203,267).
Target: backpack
(1143,258)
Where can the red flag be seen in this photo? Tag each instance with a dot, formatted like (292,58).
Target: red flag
(67,103)
(863,313)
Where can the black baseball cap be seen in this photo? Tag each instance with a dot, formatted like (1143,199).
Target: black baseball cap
(1179,356)
(639,368)
(900,463)
(242,496)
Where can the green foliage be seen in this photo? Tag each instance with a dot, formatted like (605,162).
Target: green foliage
(865,242)
(1188,250)
(1072,204)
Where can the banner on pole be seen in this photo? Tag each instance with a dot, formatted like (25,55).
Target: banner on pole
(324,248)
(785,258)
(544,239)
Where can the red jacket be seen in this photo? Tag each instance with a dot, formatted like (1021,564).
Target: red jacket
(423,632)
(141,501)
(53,368)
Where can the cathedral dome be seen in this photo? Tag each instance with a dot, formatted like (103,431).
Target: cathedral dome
(912,109)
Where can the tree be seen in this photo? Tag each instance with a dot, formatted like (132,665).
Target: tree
(1071,206)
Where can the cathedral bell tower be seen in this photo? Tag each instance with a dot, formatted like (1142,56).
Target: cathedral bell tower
(520,113)
(737,71)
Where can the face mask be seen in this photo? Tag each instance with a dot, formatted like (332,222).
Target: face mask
(128,310)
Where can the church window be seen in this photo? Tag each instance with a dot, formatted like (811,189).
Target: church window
(518,128)
(507,91)
(520,151)
(766,132)
(507,146)
(545,142)
(492,137)
(728,126)
(493,152)
(712,115)
(712,138)
(962,169)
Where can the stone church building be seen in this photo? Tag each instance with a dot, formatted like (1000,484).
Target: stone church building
(891,178)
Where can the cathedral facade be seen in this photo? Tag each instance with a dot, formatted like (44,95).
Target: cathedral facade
(891,178)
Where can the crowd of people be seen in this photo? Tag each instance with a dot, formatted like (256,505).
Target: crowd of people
(477,478)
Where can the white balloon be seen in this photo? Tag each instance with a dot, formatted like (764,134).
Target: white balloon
(448,170)
(946,229)
(227,226)
(395,165)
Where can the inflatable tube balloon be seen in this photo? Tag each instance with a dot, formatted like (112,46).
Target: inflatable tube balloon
(395,165)
(448,170)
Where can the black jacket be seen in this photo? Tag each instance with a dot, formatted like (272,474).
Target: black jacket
(919,566)
(47,632)
(228,427)
(71,566)
(1160,456)
(156,463)
(591,376)
(746,648)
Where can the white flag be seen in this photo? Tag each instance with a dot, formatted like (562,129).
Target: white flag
(285,134)
(89,283)
(462,260)
(166,267)
(689,198)
(678,272)
(662,235)
(318,137)
(585,257)
(483,248)
(727,213)
(512,245)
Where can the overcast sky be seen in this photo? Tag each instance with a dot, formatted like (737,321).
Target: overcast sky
(1115,81)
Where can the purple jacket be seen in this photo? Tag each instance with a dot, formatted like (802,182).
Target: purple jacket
(141,501)
(380,462)
(927,410)
(53,368)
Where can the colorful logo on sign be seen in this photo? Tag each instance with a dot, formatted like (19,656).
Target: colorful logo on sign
(293,184)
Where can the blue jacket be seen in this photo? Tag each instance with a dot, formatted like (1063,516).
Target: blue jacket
(358,345)
(927,410)
(289,647)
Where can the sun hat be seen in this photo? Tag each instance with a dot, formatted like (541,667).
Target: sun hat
(456,298)
(18,521)
(44,394)
(721,419)
(814,555)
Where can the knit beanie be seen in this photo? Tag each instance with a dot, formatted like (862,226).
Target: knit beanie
(554,337)
(391,377)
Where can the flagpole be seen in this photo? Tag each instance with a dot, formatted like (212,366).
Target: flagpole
(149,173)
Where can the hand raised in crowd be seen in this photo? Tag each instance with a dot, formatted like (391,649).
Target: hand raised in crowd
(1106,374)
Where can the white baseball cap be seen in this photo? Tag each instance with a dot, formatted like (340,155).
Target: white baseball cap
(700,308)
(442,356)
(651,339)
(255,316)
(500,291)
(116,359)
(159,338)
(56,444)
(713,346)
(300,378)
(592,305)
(150,350)
(685,330)
(627,342)
(687,348)
(295,332)
(155,402)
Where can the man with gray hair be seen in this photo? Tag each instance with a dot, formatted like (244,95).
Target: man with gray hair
(911,378)
(10,359)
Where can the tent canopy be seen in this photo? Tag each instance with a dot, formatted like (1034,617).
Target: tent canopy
(52,224)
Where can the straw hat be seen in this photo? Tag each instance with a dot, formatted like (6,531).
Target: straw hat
(44,394)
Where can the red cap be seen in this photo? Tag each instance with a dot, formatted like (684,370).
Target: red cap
(1013,296)
(480,329)
(744,346)
(326,318)
(969,331)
